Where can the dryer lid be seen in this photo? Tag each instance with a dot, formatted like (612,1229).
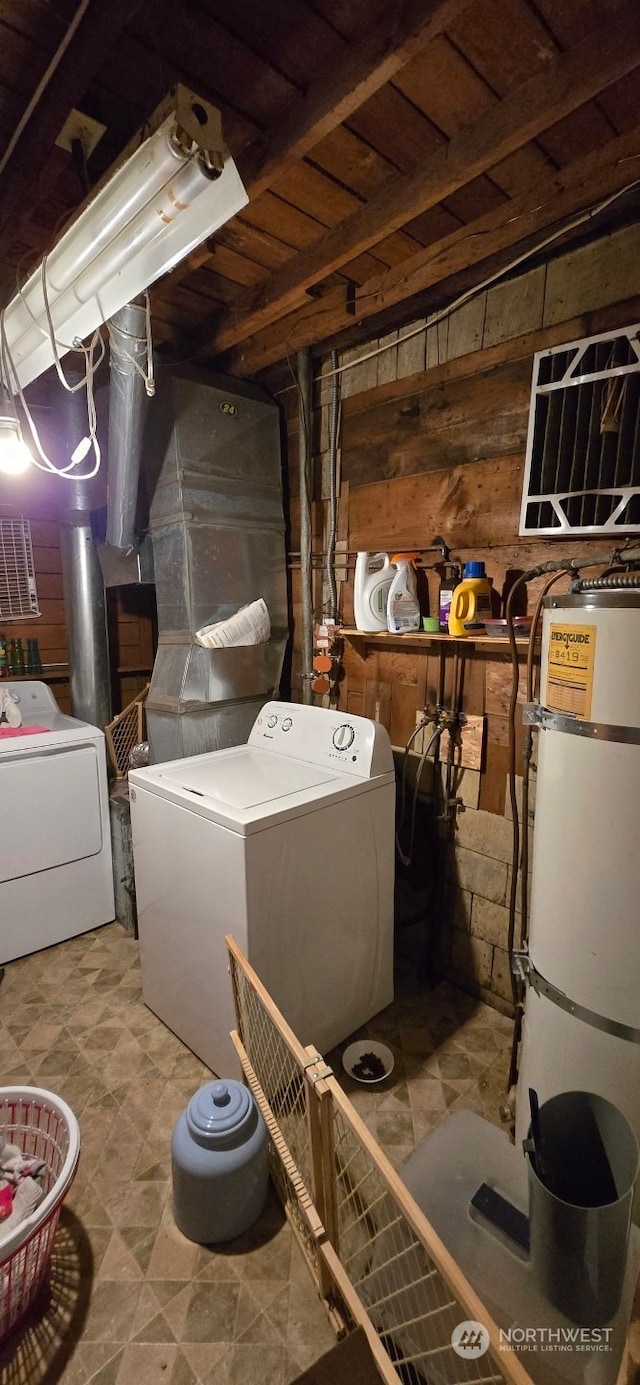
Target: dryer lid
(245,778)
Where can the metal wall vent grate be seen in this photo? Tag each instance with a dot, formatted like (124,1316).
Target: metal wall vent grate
(582,470)
(18,595)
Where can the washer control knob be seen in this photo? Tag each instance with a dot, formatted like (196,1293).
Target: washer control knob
(287,724)
(343,736)
(272,720)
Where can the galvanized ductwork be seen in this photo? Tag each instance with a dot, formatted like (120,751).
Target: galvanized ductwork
(212,463)
(84,597)
(127,408)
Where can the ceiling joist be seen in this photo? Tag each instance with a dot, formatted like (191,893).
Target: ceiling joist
(341,89)
(570,80)
(572,191)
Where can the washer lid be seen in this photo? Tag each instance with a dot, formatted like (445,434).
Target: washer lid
(245,779)
(39,708)
(247,789)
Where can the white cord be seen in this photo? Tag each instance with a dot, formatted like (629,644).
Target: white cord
(578,220)
(91,365)
(147,375)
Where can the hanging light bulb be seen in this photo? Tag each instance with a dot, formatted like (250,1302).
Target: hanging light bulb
(15,456)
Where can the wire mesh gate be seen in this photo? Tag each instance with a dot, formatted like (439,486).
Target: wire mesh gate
(376,1260)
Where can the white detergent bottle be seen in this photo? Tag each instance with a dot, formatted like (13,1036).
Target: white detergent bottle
(403,609)
(374,575)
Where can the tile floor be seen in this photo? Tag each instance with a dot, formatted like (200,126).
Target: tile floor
(131,1301)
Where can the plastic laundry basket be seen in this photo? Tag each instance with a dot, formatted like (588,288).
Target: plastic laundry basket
(44,1128)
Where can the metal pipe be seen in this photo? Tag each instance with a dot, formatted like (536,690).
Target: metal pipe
(127,406)
(86,618)
(304,416)
(83,588)
(333,500)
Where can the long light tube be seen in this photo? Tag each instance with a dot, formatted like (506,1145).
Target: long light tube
(154,210)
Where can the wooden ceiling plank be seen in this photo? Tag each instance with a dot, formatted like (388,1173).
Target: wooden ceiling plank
(288,35)
(505,42)
(210,57)
(445,87)
(293,227)
(396,129)
(306,188)
(573,188)
(349,160)
(349,17)
(515,174)
(578,133)
(565,18)
(264,250)
(341,88)
(433,225)
(237,268)
(96,33)
(567,83)
(621,102)
(474,199)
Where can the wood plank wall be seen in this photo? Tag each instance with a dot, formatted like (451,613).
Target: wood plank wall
(130,619)
(432,443)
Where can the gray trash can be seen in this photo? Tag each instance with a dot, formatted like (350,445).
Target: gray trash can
(580,1198)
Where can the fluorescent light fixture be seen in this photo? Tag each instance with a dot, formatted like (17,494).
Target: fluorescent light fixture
(15,456)
(174,191)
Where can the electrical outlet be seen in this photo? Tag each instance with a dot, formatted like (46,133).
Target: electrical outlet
(84,128)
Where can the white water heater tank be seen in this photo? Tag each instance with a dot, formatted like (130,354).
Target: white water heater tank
(582,1015)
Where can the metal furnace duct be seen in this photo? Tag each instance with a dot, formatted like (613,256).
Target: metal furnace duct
(86,624)
(213,472)
(84,596)
(127,407)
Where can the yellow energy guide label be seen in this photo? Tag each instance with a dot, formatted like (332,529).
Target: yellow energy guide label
(572,652)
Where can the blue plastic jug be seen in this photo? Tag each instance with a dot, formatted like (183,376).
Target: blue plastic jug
(219,1154)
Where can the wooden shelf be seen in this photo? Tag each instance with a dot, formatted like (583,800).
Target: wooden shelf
(421,639)
(61,675)
(45,676)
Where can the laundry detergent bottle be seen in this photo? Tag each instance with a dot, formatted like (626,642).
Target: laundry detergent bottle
(374,575)
(471,601)
(403,609)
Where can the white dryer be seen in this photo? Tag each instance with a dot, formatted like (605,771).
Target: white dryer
(56,877)
(287,843)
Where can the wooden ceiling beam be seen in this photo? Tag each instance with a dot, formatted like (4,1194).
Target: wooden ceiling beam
(405,29)
(605,55)
(549,202)
(96,33)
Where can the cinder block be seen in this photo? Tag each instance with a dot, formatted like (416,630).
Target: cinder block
(486,833)
(465,784)
(519,887)
(532,798)
(471,957)
(501,974)
(490,921)
(458,908)
(480,874)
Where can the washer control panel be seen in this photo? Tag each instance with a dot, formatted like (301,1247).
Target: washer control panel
(320,736)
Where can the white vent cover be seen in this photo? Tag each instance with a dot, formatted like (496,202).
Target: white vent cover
(582,471)
(18,595)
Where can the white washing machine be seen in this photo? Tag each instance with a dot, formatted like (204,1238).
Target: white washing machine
(56,878)
(287,843)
